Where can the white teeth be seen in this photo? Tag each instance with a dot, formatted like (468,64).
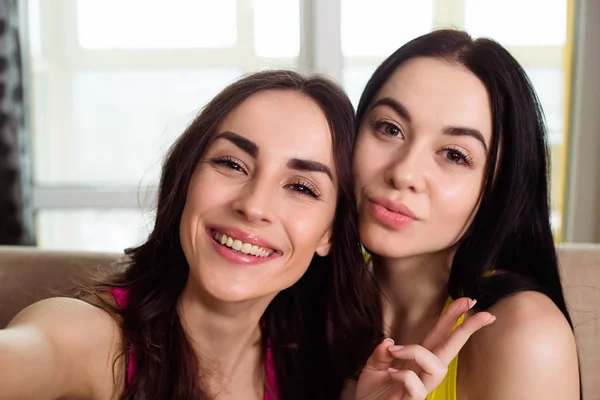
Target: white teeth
(246,248)
(238,245)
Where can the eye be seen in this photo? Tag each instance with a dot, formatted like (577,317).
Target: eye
(457,156)
(388,128)
(228,162)
(305,188)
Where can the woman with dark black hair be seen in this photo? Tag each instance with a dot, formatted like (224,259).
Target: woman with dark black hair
(451,169)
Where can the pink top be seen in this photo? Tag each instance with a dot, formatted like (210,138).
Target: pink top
(120,296)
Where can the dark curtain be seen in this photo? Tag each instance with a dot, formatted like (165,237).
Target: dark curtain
(15,182)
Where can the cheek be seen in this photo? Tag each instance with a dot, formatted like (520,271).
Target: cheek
(456,200)
(198,202)
(221,190)
(368,160)
(306,228)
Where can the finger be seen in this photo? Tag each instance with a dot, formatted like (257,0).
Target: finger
(433,370)
(410,385)
(381,359)
(450,348)
(442,329)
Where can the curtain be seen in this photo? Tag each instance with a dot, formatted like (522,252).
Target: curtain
(15,184)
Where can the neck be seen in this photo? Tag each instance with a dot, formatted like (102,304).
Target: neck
(227,340)
(414,290)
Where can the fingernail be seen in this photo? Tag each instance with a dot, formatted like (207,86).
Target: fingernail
(395,348)
(490,320)
(472,303)
(393,370)
(389,340)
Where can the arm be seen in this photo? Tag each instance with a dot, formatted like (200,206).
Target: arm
(53,349)
(529,353)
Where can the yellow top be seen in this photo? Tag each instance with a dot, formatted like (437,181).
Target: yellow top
(447,389)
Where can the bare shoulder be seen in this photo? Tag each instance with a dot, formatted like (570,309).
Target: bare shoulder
(81,340)
(528,352)
(69,322)
(527,313)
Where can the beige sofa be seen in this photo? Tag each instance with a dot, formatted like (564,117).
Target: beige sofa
(29,274)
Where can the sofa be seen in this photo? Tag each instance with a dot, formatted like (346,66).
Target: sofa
(29,274)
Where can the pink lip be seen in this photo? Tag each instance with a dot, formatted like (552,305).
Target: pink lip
(235,256)
(395,215)
(243,236)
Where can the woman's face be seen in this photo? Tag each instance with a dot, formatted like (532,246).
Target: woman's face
(262,200)
(421,157)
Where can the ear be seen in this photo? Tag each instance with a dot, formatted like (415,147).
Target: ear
(324,246)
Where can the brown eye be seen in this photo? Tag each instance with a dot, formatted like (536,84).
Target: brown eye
(229,163)
(304,188)
(457,157)
(389,129)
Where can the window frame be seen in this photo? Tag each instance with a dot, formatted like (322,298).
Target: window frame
(320,51)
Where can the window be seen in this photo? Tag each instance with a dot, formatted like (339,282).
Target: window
(113,82)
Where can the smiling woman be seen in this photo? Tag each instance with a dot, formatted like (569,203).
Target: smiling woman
(253,266)
(272,193)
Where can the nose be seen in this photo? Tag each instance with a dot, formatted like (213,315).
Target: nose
(255,202)
(407,170)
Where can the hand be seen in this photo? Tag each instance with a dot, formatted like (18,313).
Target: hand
(425,366)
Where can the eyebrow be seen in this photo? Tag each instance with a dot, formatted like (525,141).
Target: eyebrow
(241,142)
(451,130)
(462,131)
(297,164)
(395,105)
(309,166)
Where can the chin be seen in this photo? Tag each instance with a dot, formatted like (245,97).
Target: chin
(232,294)
(387,245)
(222,287)
(384,251)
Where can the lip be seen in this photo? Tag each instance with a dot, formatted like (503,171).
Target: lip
(245,237)
(235,256)
(393,214)
(394,206)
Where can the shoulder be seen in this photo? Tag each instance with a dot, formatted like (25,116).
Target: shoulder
(68,322)
(528,313)
(81,340)
(529,351)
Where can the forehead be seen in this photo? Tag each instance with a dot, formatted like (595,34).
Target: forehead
(283,122)
(438,91)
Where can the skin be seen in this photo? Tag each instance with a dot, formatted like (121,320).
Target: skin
(430,154)
(70,345)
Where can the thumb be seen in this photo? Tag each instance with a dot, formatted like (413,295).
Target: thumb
(381,359)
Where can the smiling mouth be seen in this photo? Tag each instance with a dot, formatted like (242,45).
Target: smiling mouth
(241,247)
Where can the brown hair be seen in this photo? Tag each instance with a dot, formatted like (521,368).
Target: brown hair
(321,330)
